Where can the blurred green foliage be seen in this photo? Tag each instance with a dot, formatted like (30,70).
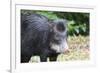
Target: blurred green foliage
(78,23)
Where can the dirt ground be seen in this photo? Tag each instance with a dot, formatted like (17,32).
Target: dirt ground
(78,50)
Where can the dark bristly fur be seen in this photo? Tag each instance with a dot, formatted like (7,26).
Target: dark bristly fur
(36,36)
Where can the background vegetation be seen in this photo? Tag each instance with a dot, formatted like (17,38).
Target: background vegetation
(78,33)
(78,23)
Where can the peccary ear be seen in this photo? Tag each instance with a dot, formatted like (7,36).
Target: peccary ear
(51,23)
(60,25)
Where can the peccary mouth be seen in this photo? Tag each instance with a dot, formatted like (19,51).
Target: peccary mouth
(59,48)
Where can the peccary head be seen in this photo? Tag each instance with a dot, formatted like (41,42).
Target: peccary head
(58,40)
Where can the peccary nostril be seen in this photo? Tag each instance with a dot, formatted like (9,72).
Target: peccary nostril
(67,50)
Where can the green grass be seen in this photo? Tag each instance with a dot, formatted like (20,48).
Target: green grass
(78,50)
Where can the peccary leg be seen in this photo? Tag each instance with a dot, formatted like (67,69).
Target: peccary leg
(25,59)
(53,58)
(43,58)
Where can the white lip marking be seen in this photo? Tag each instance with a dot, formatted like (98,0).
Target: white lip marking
(60,48)
(64,45)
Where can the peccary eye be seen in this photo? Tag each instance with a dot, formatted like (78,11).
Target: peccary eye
(60,27)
